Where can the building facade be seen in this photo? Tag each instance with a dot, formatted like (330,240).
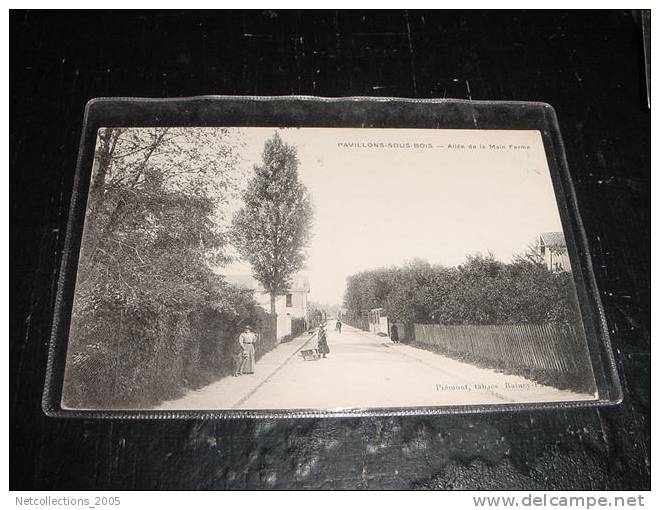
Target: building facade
(292,304)
(553,249)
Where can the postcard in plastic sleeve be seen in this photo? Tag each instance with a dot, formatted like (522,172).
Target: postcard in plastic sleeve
(277,257)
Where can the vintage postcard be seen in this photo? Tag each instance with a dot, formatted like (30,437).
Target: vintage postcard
(262,268)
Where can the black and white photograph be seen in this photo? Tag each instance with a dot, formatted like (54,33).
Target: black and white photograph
(261,268)
(365,251)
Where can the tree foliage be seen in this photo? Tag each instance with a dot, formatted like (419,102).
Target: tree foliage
(156,219)
(482,290)
(273,228)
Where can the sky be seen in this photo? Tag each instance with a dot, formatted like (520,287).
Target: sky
(378,204)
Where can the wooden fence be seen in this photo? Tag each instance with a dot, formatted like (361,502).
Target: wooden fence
(549,348)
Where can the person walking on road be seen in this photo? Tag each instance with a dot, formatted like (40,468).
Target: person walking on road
(323,347)
(246,340)
(394,333)
(338,326)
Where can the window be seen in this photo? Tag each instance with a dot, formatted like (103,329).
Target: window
(289,300)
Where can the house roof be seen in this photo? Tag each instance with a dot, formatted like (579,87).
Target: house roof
(553,239)
(300,282)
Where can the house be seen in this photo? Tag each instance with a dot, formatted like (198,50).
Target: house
(289,305)
(552,246)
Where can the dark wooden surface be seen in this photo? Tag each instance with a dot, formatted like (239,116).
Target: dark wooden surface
(588,66)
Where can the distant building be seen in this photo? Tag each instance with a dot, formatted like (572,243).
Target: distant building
(291,304)
(553,249)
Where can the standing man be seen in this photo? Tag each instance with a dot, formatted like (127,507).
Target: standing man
(338,326)
(246,340)
(394,333)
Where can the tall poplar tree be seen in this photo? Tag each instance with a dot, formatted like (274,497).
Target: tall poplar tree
(273,228)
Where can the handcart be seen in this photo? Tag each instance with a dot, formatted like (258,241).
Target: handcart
(310,354)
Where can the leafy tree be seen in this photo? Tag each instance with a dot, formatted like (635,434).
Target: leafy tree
(273,228)
(315,314)
(531,254)
(482,290)
(152,223)
(156,219)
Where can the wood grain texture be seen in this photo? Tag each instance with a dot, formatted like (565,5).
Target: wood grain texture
(588,66)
